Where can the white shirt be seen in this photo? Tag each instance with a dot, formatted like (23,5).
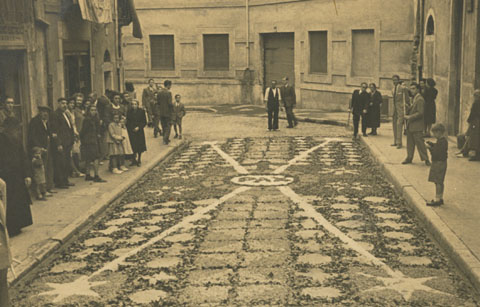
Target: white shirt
(68,120)
(275,93)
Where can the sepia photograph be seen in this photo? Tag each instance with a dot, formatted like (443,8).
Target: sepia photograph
(239,153)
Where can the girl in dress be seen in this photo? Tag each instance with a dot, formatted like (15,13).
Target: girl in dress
(116,149)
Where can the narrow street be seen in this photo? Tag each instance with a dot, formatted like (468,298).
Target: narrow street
(299,217)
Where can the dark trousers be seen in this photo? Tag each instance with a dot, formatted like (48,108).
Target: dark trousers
(416,139)
(156,122)
(62,165)
(292,120)
(166,127)
(356,121)
(273,116)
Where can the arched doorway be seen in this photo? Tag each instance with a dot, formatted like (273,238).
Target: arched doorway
(429,53)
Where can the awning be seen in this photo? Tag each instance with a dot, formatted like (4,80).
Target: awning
(127,14)
(98,11)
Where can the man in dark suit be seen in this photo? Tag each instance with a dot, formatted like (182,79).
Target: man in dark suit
(358,107)
(41,134)
(272,99)
(165,109)
(415,125)
(65,139)
(289,102)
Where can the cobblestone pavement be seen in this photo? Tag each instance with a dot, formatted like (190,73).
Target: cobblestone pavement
(279,220)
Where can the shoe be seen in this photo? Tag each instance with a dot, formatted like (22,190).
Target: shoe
(393,145)
(435,203)
(289,127)
(407,161)
(48,194)
(139,163)
(427,163)
(155,136)
(98,179)
(42,198)
(116,171)
(399,146)
(81,174)
(365,135)
(52,191)
(88,178)
(71,184)
(101,162)
(123,168)
(176,136)
(133,163)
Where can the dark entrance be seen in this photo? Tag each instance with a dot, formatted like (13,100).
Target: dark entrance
(77,68)
(455,70)
(278,58)
(12,82)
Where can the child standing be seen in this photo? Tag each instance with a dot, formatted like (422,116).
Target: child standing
(116,150)
(177,115)
(39,173)
(439,152)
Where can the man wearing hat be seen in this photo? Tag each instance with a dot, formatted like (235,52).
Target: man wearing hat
(41,134)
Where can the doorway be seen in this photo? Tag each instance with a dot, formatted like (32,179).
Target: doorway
(12,83)
(455,68)
(279,57)
(77,74)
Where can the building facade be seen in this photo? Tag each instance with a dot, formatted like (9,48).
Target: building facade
(451,56)
(47,51)
(228,51)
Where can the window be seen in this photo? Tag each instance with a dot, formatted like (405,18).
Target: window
(318,52)
(216,52)
(430,26)
(162,52)
(363,53)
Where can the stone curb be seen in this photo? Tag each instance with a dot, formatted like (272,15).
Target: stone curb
(55,242)
(468,264)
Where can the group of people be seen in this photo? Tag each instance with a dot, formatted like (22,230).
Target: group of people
(365,107)
(273,97)
(68,142)
(162,110)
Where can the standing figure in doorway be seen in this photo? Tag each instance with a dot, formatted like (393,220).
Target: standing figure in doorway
(272,100)
(358,107)
(289,102)
(373,109)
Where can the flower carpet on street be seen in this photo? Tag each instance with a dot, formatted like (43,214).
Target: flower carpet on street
(297,221)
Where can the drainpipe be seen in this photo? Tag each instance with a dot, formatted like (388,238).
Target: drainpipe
(247,28)
(422,38)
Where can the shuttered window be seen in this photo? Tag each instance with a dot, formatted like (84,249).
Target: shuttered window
(162,52)
(216,52)
(318,52)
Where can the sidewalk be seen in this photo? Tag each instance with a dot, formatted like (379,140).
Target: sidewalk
(64,214)
(454,225)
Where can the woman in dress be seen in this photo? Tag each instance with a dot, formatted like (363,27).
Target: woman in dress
(90,143)
(136,121)
(15,170)
(429,116)
(373,109)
